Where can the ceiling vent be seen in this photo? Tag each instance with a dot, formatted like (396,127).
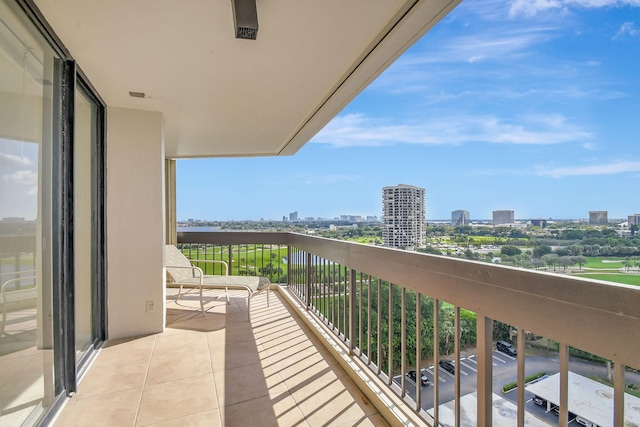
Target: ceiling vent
(245,18)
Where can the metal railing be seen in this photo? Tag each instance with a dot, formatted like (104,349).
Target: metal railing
(395,309)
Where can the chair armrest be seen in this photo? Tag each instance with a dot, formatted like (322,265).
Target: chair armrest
(197,270)
(226,265)
(25,292)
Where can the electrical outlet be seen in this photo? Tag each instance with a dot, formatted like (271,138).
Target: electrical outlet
(150,306)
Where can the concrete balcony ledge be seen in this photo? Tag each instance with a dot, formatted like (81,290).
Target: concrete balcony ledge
(220,370)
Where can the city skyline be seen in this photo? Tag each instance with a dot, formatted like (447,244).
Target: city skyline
(528,106)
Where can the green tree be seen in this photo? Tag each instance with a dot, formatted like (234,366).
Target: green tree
(510,250)
(541,250)
(579,260)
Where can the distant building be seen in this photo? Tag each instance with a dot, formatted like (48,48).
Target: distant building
(503,217)
(598,217)
(293,216)
(634,219)
(403,217)
(542,223)
(460,217)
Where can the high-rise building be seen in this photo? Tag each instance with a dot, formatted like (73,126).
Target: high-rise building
(460,217)
(503,217)
(598,217)
(293,216)
(634,219)
(403,216)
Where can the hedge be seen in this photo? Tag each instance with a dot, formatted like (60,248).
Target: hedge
(528,379)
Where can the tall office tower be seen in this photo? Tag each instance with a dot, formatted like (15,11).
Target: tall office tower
(403,217)
(460,217)
(598,217)
(293,216)
(503,217)
(634,219)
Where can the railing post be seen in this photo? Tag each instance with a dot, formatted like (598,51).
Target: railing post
(230,260)
(618,394)
(307,297)
(436,362)
(403,343)
(352,312)
(485,370)
(564,385)
(288,265)
(521,384)
(456,351)
(418,351)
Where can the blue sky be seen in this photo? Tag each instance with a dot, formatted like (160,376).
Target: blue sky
(529,105)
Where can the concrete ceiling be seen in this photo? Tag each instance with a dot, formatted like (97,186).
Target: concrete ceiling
(221,96)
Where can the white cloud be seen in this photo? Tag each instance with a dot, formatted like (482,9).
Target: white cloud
(13,160)
(601,169)
(533,7)
(628,28)
(24,177)
(488,43)
(357,130)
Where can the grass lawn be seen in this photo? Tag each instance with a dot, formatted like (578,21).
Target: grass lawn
(597,262)
(245,257)
(627,279)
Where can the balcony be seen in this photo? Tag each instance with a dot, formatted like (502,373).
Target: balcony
(360,310)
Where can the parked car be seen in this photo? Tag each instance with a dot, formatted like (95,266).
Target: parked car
(423,378)
(584,422)
(539,401)
(448,365)
(506,348)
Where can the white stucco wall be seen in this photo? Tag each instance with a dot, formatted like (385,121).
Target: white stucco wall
(135,222)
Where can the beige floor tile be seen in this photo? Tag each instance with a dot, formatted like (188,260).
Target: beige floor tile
(192,342)
(172,367)
(280,410)
(104,379)
(174,399)
(108,410)
(232,333)
(375,420)
(236,354)
(332,403)
(117,352)
(195,321)
(201,419)
(246,383)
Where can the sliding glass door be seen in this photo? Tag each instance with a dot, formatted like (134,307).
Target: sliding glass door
(27,383)
(51,220)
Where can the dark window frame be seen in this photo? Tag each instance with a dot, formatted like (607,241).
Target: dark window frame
(69,77)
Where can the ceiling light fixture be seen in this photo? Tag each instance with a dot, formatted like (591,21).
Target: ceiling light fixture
(245,19)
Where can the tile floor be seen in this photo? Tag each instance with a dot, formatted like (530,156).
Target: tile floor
(219,370)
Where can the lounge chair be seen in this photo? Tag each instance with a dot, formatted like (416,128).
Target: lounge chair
(13,296)
(182,273)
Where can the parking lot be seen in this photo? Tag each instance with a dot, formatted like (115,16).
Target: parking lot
(504,372)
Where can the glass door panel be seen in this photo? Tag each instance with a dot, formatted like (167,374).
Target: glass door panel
(26,108)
